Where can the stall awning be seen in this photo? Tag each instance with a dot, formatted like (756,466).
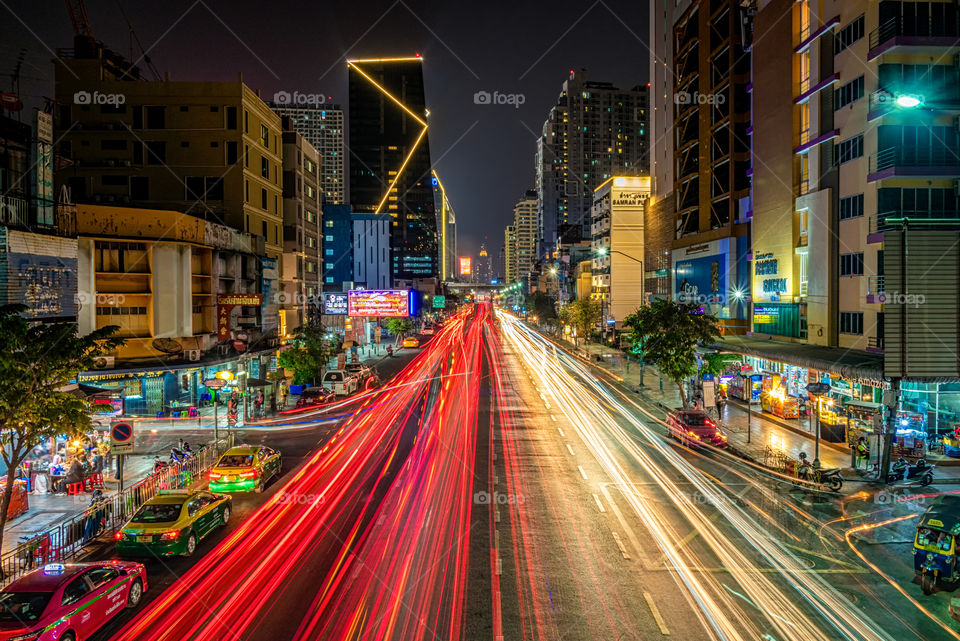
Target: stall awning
(82,390)
(850,364)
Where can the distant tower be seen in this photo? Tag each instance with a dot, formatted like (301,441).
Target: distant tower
(484,266)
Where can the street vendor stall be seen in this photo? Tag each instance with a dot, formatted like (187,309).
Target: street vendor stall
(860,419)
(745,387)
(910,444)
(775,399)
(833,424)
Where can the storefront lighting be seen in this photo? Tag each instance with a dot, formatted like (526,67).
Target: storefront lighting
(225,375)
(909,101)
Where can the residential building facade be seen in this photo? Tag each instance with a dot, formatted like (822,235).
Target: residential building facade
(322,126)
(371,251)
(526,234)
(337,248)
(302,239)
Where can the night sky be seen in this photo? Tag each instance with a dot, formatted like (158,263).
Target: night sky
(483,153)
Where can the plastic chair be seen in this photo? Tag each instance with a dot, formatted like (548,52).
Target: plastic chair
(96,481)
(74,488)
(193,413)
(160,414)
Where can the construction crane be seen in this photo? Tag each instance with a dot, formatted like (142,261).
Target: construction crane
(78,15)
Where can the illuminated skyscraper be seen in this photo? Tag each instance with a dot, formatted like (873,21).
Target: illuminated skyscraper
(390,168)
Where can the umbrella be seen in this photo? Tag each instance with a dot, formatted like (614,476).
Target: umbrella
(81,390)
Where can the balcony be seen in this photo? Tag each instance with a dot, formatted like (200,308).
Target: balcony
(907,162)
(927,37)
(875,344)
(875,291)
(14,211)
(803,240)
(883,102)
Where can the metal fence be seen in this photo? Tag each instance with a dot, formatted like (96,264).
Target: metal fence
(67,539)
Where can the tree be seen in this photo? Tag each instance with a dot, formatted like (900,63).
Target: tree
(543,305)
(308,354)
(36,361)
(582,315)
(399,326)
(668,333)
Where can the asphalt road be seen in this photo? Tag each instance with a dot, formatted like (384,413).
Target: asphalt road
(297,444)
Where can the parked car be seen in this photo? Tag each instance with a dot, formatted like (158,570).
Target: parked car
(411,341)
(314,396)
(69,602)
(341,382)
(359,370)
(693,428)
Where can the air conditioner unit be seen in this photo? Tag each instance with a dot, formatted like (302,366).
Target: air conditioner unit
(126,163)
(104,362)
(193,354)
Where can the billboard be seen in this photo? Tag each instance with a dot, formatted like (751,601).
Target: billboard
(39,272)
(465,269)
(379,302)
(439,302)
(335,303)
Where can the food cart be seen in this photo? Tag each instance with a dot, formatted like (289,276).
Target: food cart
(860,419)
(910,444)
(746,387)
(775,399)
(833,424)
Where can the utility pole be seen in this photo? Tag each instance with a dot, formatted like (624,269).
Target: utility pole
(891,399)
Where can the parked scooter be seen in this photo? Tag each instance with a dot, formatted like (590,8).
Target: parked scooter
(921,473)
(830,478)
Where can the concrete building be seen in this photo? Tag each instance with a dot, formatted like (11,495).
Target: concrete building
(510,255)
(206,149)
(711,174)
(38,248)
(526,233)
(447,231)
(594,131)
(301,231)
(390,166)
(371,251)
(619,211)
(322,126)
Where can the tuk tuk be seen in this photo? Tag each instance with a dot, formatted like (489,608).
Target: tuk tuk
(934,548)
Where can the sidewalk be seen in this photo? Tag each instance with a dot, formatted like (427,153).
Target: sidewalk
(47,510)
(790,436)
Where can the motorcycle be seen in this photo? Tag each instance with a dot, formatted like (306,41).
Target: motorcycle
(829,478)
(922,472)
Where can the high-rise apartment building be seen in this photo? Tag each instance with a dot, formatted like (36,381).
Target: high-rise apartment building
(322,126)
(711,174)
(446,231)
(510,255)
(390,167)
(302,239)
(594,131)
(526,234)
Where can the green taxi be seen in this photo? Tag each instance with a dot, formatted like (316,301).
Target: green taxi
(172,523)
(244,468)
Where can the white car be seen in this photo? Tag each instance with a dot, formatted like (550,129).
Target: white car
(359,370)
(341,382)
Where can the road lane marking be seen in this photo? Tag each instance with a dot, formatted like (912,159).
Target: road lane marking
(623,549)
(554,418)
(629,530)
(570,449)
(561,433)
(599,504)
(656,614)
(496,516)
(582,473)
(499,565)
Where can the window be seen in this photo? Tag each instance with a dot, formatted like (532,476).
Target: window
(75,590)
(156,152)
(113,145)
(246,191)
(328,238)
(311,267)
(851,207)
(231,152)
(102,576)
(139,188)
(231,117)
(851,264)
(246,122)
(848,35)
(328,265)
(156,117)
(311,242)
(311,217)
(328,223)
(264,167)
(214,143)
(328,279)
(848,93)
(263,226)
(263,200)
(264,136)
(848,150)
(328,252)
(113,181)
(851,323)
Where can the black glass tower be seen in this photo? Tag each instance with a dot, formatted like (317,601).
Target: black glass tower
(389,151)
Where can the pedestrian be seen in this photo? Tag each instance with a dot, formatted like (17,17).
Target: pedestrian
(863,453)
(283,396)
